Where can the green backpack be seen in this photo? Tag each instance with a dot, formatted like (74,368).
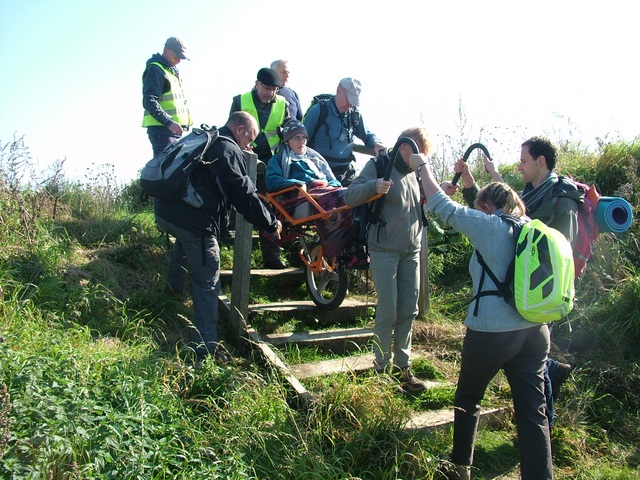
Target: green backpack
(539,280)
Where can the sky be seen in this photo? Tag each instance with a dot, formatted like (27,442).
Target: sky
(492,71)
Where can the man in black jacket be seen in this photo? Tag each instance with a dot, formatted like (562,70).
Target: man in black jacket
(222,182)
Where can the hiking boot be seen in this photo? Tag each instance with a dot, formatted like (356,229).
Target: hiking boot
(459,472)
(408,382)
(560,375)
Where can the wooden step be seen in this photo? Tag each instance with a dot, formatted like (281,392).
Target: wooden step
(304,305)
(266,272)
(443,418)
(357,364)
(335,341)
(348,311)
(287,277)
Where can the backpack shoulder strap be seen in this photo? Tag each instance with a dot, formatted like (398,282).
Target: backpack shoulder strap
(212,134)
(322,118)
(503,287)
(381,165)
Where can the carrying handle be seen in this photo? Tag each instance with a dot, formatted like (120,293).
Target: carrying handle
(387,173)
(466,155)
(396,152)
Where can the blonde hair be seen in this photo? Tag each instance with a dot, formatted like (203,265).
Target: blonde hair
(420,135)
(501,195)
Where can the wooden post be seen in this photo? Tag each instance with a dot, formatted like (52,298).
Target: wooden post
(242,247)
(423,298)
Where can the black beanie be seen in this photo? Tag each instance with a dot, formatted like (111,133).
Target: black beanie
(292,128)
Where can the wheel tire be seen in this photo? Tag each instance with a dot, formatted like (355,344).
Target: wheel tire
(327,288)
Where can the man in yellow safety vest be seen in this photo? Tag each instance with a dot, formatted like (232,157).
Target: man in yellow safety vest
(166,115)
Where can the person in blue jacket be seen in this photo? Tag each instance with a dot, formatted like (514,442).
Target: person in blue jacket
(297,164)
(333,125)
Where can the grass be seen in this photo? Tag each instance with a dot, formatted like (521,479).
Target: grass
(96,381)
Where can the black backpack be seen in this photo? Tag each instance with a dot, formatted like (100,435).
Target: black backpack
(368,214)
(363,216)
(167,176)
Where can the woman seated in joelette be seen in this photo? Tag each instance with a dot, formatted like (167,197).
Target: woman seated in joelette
(296,164)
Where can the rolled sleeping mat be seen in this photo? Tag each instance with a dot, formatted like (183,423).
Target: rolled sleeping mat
(613,214)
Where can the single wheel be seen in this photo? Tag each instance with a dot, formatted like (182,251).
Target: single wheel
(328,286)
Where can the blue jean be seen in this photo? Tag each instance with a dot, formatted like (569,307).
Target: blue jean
(522,355)
(159,142)
(200,254)
(396,277)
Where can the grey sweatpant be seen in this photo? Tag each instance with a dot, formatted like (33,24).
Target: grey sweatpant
(396,277)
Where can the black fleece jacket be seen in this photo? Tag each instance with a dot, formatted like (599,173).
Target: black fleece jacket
(223,181)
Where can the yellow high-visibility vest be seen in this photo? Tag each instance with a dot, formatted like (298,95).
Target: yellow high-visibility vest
(173,102)
(276,116)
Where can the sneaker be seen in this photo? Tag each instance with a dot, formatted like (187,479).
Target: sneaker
(409,382)
(560,375)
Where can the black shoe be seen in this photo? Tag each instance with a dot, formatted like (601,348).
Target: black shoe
(172,293)
(221,355)
(228,238)
(560,375)
(459,472)
(275,265)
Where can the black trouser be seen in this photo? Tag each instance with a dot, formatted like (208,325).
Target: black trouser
(344,172)
(522,355)
(270,251)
